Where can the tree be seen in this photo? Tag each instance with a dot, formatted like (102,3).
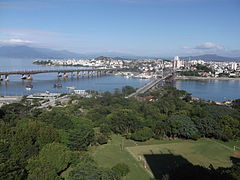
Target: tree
(236,104)
(58,118)
(21,143)
(208,127)
(30,136)
(123,121)
(182,126)
(121,169)
(142,134)
(81,137)
(229,127)
(49,163)
(87,169)
(126,90)
(10,113)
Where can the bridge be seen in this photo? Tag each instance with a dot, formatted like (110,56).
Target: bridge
(151,84)
(27,74)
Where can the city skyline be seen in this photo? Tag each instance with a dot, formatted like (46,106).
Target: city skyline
(135,27)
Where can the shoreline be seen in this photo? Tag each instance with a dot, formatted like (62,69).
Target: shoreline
(205,78)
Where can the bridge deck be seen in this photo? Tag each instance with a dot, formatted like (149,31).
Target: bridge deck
(148,86)
(51,71)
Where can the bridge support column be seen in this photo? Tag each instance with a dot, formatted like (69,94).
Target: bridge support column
(59,75)
(78,74)
(1,78)
(6,78)
(23,77)
(30,77)
(65,75)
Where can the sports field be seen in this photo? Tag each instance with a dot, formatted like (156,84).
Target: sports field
(145,159)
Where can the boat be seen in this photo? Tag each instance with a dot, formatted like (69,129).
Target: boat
(29,87)
(57,85)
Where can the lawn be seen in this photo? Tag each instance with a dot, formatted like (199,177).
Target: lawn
(155,157)
(110,154)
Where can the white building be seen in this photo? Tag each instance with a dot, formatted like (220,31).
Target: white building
(177,63)
(234,66)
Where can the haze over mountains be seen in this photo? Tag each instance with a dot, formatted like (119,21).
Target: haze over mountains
(23,51)
(211,57)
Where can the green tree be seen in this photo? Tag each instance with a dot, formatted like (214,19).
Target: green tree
(126,90)
(121,169)
(182,126)
(142,134)
(123,121)
(236,104)
(49,163)
(229,127)
(81,137)
(29,137)
(87,169)
(58,117)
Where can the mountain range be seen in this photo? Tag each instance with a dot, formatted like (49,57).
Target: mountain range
(23,51)
(211,57)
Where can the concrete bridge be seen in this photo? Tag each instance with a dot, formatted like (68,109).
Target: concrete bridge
(27,74)
(151,84)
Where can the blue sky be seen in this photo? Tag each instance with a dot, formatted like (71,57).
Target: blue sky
(138,27)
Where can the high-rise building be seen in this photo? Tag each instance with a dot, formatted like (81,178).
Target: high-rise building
(234,66)
(177,63)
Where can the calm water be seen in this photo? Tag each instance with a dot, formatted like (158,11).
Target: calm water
(45,82)
(217,90)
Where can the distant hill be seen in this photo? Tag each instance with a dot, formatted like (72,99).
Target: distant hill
(211,57)
(23,51)
(103,58)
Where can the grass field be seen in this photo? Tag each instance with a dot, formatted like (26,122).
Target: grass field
(145,159)
(110,154)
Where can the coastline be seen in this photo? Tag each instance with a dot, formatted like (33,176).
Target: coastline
(204,78)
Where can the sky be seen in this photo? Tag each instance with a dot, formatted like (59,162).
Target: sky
(137,27)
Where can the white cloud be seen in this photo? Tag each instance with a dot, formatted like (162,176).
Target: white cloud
(186,47)
(209,45)
(16,41)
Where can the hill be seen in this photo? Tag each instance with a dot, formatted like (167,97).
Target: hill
(211,57)
(23,51)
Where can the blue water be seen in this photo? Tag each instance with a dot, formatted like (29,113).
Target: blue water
(217,90)
(45,82)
